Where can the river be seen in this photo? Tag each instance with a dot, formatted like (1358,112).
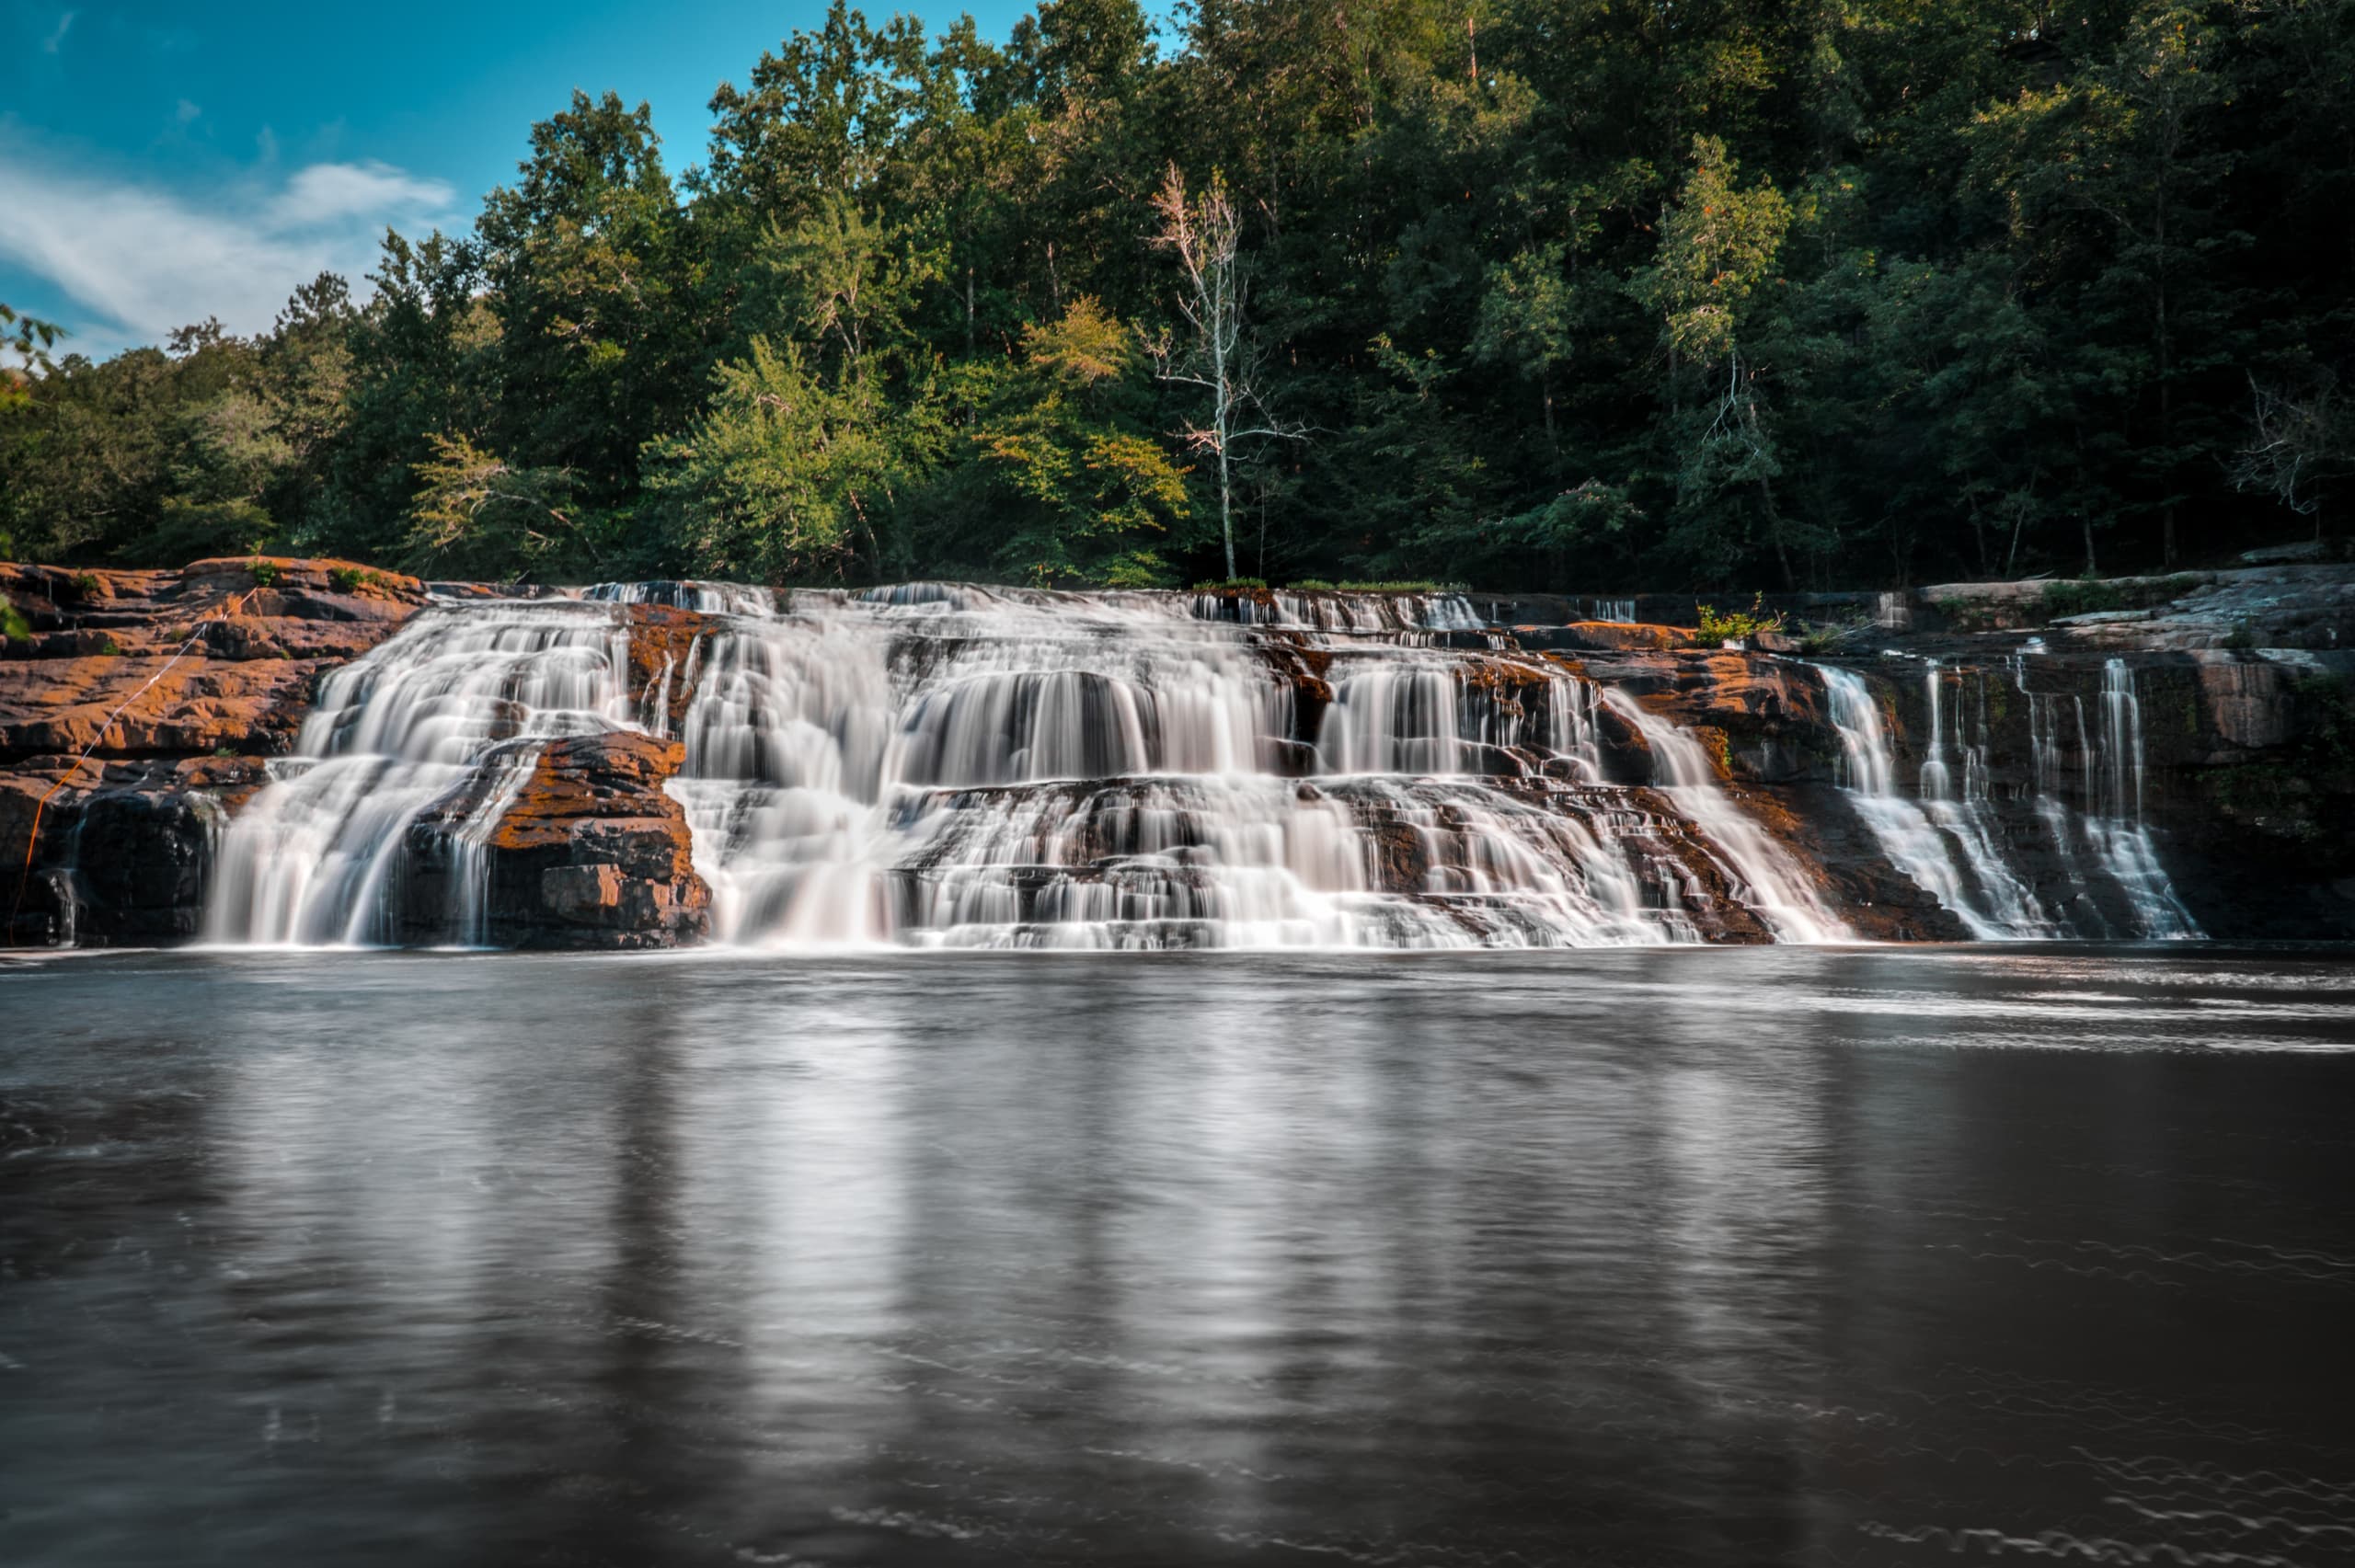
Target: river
(1766,1255)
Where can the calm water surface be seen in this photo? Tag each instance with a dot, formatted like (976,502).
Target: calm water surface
(1707,1257)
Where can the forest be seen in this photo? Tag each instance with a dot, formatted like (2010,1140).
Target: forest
(1557,294)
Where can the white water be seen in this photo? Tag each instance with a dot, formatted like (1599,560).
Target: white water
(1950,839)
(1950,857)
(970,767)
(950,765)
(315,857)
(1767,879)
(943,764)
(2103,837)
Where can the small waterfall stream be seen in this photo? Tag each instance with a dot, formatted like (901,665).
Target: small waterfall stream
(1765,877)
(1950,854)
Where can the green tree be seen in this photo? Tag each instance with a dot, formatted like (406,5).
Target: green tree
(1072,482)
(786,476)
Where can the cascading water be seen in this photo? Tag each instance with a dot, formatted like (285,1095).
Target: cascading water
(1766,878)
(945,764)
(975,767)
(2120,839)
(312,859)
(2105,844)
(1959,869)
(1952,841)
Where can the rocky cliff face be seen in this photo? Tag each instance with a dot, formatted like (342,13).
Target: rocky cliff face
(143,709)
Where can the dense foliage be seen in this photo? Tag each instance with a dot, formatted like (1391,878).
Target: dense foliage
(1532,293)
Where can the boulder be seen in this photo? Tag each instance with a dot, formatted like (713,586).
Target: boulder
(590,852)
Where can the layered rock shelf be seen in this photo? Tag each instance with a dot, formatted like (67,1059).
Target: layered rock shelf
(672,763)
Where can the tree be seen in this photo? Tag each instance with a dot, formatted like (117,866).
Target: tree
(2301,442)
(30,339)
(476,515)
(1074,485)
(1204,234)
(783,477)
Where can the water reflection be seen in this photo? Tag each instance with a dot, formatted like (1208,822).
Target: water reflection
(1721,1257)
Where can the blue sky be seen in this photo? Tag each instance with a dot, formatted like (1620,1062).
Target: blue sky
(160,164)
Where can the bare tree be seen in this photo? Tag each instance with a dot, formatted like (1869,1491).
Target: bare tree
(2298,441)
(1205,234)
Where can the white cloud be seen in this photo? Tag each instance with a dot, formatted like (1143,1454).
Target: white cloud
(186,112)
(144,260)
(326,193)
(56,39)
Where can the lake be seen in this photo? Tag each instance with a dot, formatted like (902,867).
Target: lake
(1770,1255)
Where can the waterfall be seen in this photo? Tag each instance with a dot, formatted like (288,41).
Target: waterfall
(942,764)
(2104,843)
(994,769)
(2120,839)
(1946,848)
(1765,878)
(314,858)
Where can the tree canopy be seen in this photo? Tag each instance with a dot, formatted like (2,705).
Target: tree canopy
(1566,293)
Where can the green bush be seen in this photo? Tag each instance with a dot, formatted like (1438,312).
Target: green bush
(1230,584)
(348,579)
(1417,586)
(12,625)
(87,584)
(1729,625)
(266,573)
(1312,585)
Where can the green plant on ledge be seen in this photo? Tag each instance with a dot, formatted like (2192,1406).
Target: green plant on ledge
(348,579)
(1827,637)
(266,573)
(1736,624)
(1230,584)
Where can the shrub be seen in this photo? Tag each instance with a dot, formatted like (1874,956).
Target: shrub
(1312,585)
(1417,586)
(348,579)
(85,583)
(12,625)
(1230,584)
(266,573)
(1829,635)
(1716,627)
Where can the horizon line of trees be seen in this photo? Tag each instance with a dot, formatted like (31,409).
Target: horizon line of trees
(1579,294)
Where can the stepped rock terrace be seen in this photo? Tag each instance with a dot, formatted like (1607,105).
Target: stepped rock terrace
(334,756)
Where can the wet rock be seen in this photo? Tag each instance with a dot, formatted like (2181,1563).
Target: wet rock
(664,638)
(591,854)
(1604,636)
(174,685)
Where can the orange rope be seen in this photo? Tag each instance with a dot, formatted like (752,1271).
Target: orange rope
(229,607)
